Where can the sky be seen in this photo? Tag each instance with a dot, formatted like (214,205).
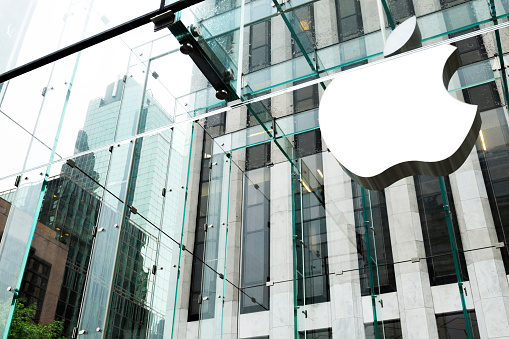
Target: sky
(56,24)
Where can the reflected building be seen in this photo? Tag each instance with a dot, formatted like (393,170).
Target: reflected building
(70,212)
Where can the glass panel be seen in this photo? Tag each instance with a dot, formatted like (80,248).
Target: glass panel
(256,241)
(436,239)
(96,298)
(19,231)
(451,325)
(215,244)
(64,23)
(71,208)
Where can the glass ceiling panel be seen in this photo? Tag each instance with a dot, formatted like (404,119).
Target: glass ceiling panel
(32,29)
(153,78)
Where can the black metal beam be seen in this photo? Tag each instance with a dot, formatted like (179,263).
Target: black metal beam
(95,39)
(206,60)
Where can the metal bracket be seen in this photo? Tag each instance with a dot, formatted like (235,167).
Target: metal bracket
(164,20)
(192,44)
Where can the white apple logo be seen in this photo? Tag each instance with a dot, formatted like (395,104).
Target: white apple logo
(396,119)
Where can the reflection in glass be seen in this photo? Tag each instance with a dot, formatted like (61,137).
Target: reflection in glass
(493,153)
(255,241)
(316,334)
(452,325)
(311,229)
(436,238)
(349,19)
(389,329)
(383,273)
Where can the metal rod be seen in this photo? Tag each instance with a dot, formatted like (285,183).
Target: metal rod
(94,40)
(296,38)
(370,269)
(388,14)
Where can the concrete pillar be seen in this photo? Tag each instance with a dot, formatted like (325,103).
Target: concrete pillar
(281,255)
(326,26)
(412,279)
(369,11)
(345,290)
(423,7)
(487,277)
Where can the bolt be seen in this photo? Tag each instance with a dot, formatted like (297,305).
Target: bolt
(195,30)
(221,94)
(186,48)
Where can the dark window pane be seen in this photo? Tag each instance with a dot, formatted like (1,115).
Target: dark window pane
(311,228)
(308,143)
(259,48)
(452,325)
(349,19)
(390,328)
(257,156)
(255,242)
(485,96)
(493,153)
(325,333)
(384,277)
(434,231)
(401,9)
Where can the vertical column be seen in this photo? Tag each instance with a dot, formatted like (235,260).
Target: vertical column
(188,217)
(345,290)
(412,279)
(488,280)
(369,10)
(281,257)
(326,25)
(423,7)
(232,273)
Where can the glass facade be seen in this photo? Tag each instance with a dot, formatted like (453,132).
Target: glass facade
(174,183)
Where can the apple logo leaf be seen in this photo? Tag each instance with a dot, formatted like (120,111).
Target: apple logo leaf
(396,118)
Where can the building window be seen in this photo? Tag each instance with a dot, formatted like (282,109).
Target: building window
(452,325)
(256,241)
(308,143)
(434,231)
(325,333)
(311,228)
(493,153)
(199,242)
(215,125)
(304,31)
(257,156)
(391,329)
(35,282)
(450,3)
(261,109)
(305,98)
(259,48)
(401,9)
(382,264)
(349,19)
(485,96)
(471,50)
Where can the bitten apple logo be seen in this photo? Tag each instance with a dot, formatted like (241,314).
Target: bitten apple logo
(396,118)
